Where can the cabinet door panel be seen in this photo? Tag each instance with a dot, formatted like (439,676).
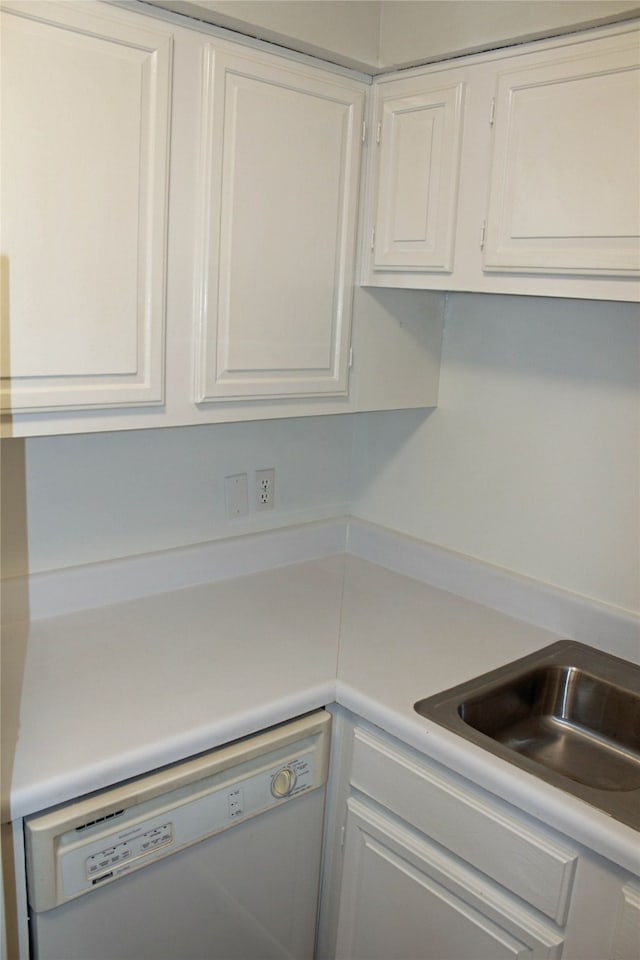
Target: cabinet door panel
(280,168)
(420,136)
(535,866)
(627,938)
(84,192)
(404,898)
(565,190)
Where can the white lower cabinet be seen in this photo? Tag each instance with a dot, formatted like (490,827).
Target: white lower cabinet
(627,936)
(422,865)
(406,897)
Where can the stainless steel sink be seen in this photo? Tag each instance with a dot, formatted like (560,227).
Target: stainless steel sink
(568,714)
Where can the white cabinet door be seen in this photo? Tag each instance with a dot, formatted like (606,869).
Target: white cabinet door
(406,898)
(279,182)
(85,121)
(627,937)
(565,187)
(419,134)
(513,172)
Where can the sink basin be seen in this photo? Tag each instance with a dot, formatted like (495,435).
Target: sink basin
(567,719)
(568,714)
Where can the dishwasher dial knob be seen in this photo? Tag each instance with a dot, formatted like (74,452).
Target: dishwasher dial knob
(283,782)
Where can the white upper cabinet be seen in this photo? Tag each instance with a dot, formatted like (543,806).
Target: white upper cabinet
(565,185)
(543,197)
(281,146)
(85,151)
(418,126)
(179,230)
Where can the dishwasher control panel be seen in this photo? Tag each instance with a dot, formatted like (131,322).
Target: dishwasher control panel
(67,858)
(182,821)
(104,861)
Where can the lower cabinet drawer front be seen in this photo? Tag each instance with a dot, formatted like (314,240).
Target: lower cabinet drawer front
(404,897)
(528,862)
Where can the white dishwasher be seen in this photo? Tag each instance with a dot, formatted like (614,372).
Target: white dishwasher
(214,858)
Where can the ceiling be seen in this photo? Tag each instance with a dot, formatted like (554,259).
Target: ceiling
(375,36)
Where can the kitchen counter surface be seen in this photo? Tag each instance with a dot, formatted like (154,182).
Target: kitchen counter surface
(109,693)
(118,690)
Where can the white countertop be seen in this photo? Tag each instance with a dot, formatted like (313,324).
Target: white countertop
(108,693)
(111,692)
(403,640)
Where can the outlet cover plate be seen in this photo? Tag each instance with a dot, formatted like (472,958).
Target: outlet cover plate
(265,489)
(236,491)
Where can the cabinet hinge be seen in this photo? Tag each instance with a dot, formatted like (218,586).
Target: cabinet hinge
(350,357)
(492,112)
(379,133)
(364,130)
(483,233)
(372,241)
(342,837)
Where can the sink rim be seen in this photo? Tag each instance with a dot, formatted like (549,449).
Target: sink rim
(443,707)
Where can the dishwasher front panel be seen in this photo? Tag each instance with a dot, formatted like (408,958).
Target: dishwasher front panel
(247,894)
(224,866)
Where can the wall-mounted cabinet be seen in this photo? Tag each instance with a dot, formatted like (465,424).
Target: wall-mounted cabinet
(180,214)
(419,133)
(179,232)
(280,174)
(85,162)
(565,186)
(531,186)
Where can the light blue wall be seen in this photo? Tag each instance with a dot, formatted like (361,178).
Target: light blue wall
(530,462)
(101,496)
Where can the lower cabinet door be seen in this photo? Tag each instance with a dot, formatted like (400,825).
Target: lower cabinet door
(405,897)
(627,936)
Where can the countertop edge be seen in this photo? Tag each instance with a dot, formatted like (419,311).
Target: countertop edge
(554,809)
(54,791)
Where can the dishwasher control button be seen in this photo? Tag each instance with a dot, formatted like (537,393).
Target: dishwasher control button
(283,782)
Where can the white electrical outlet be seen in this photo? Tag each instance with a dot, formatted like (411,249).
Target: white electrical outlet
(236,491)
(265,489)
